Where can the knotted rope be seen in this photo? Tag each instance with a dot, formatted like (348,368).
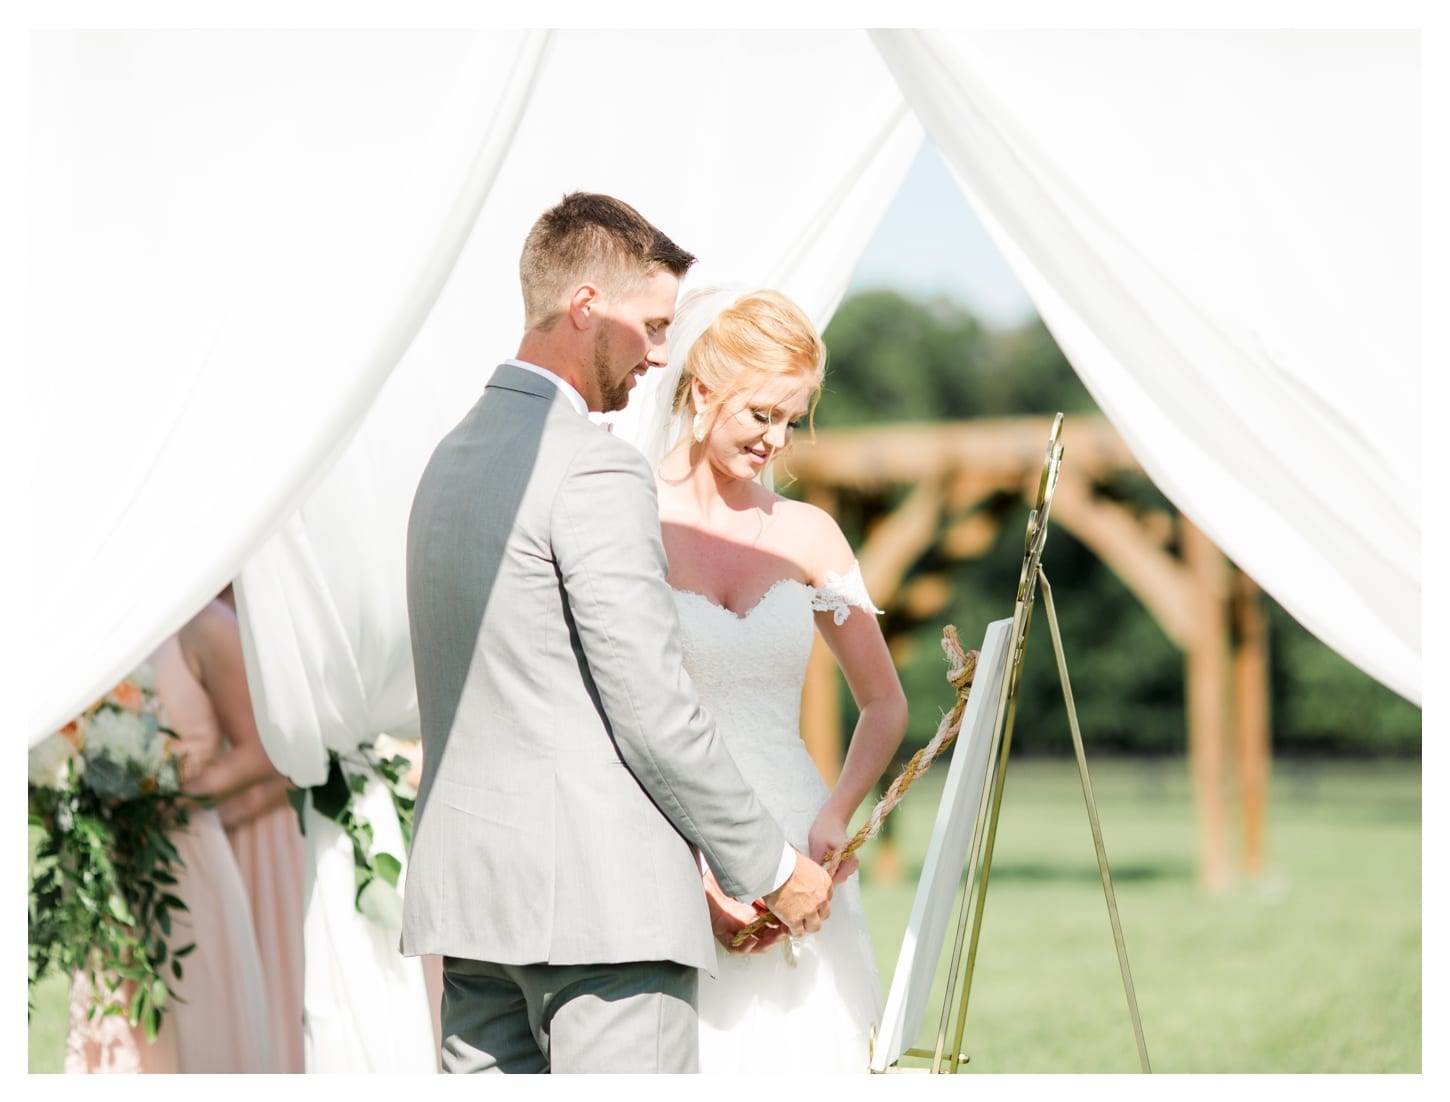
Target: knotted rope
(961,669)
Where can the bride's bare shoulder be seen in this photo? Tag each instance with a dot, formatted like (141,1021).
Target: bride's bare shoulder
(814,538)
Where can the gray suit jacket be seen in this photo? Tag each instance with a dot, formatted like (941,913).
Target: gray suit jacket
(567,765)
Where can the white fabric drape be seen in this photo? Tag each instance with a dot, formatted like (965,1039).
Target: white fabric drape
(366,1005)
(1222,232)
(234,235)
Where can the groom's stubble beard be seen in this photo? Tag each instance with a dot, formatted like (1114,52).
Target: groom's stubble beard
(613,395)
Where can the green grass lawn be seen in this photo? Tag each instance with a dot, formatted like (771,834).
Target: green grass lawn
(1314,969)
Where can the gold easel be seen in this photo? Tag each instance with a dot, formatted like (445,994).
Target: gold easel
(975,895)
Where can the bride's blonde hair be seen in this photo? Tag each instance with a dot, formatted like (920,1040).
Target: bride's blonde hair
(759,336)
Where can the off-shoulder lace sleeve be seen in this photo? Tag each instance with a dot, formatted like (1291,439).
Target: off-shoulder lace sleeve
(840,592)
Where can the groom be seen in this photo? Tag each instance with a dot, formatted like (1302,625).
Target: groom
(567,766)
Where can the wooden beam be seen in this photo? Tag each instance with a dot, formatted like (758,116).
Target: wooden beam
(1137,557)
(1207,699)
(971,488)
(899,540)
(995,449)
(972,536)
(1251,716)
(926,596)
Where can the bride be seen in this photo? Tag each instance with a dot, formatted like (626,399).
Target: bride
(755,576)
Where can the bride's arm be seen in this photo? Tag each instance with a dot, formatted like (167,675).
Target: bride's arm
(860,650)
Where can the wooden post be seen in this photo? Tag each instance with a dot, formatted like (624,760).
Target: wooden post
(1207,699)
(821,713)
(1251,716)
(820,704)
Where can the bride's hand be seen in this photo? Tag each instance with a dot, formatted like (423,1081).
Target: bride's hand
(828,835)
(728,916)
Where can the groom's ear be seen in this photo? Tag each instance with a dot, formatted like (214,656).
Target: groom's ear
(583,304)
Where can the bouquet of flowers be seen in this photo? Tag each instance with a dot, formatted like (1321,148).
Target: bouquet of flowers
(103,800)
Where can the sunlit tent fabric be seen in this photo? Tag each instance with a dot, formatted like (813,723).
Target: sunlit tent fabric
(257,303)
(1222,232)
(234,237)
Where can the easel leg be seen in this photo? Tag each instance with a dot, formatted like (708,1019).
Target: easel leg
(1092,809)
(986,827)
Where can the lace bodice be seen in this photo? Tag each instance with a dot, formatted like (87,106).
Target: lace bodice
(749,671)
(814,1007)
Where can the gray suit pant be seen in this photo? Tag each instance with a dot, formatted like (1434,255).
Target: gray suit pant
(637,1017)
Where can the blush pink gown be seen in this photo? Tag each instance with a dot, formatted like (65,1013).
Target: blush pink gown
(218,1021)
(270,854)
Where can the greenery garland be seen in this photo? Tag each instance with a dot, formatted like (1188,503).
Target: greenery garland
(376,895)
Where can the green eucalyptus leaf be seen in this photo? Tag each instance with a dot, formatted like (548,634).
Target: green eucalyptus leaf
(119,910)
(331,798)
(379,902)
(388,867)
(297,797)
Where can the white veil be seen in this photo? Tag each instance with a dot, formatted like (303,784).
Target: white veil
(647,421)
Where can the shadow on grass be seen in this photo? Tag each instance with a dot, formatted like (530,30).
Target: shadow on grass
(1043,872)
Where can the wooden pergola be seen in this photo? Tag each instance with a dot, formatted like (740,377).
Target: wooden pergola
(1210,610)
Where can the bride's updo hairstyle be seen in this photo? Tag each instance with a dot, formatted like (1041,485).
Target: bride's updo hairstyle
(759,336)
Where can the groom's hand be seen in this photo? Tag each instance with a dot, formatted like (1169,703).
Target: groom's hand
(729,916)
(803,902)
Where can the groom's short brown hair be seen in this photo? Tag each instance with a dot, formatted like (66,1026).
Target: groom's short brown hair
(590,238)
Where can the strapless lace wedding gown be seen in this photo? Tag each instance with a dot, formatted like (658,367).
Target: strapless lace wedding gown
(759,1013)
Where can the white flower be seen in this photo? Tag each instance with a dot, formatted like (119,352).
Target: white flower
(162,764)
(50,761)
(167,780)
(121,736)
(144,677)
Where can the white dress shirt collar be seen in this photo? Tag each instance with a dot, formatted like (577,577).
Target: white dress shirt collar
(572,396)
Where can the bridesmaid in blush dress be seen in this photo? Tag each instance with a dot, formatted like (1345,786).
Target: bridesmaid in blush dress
(217,1022)
(260,824)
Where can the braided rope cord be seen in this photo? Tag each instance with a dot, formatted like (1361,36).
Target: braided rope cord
(961,669)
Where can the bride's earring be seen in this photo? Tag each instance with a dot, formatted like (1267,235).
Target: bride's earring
(697,428)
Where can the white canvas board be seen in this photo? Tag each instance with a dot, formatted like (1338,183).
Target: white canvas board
(946,855)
